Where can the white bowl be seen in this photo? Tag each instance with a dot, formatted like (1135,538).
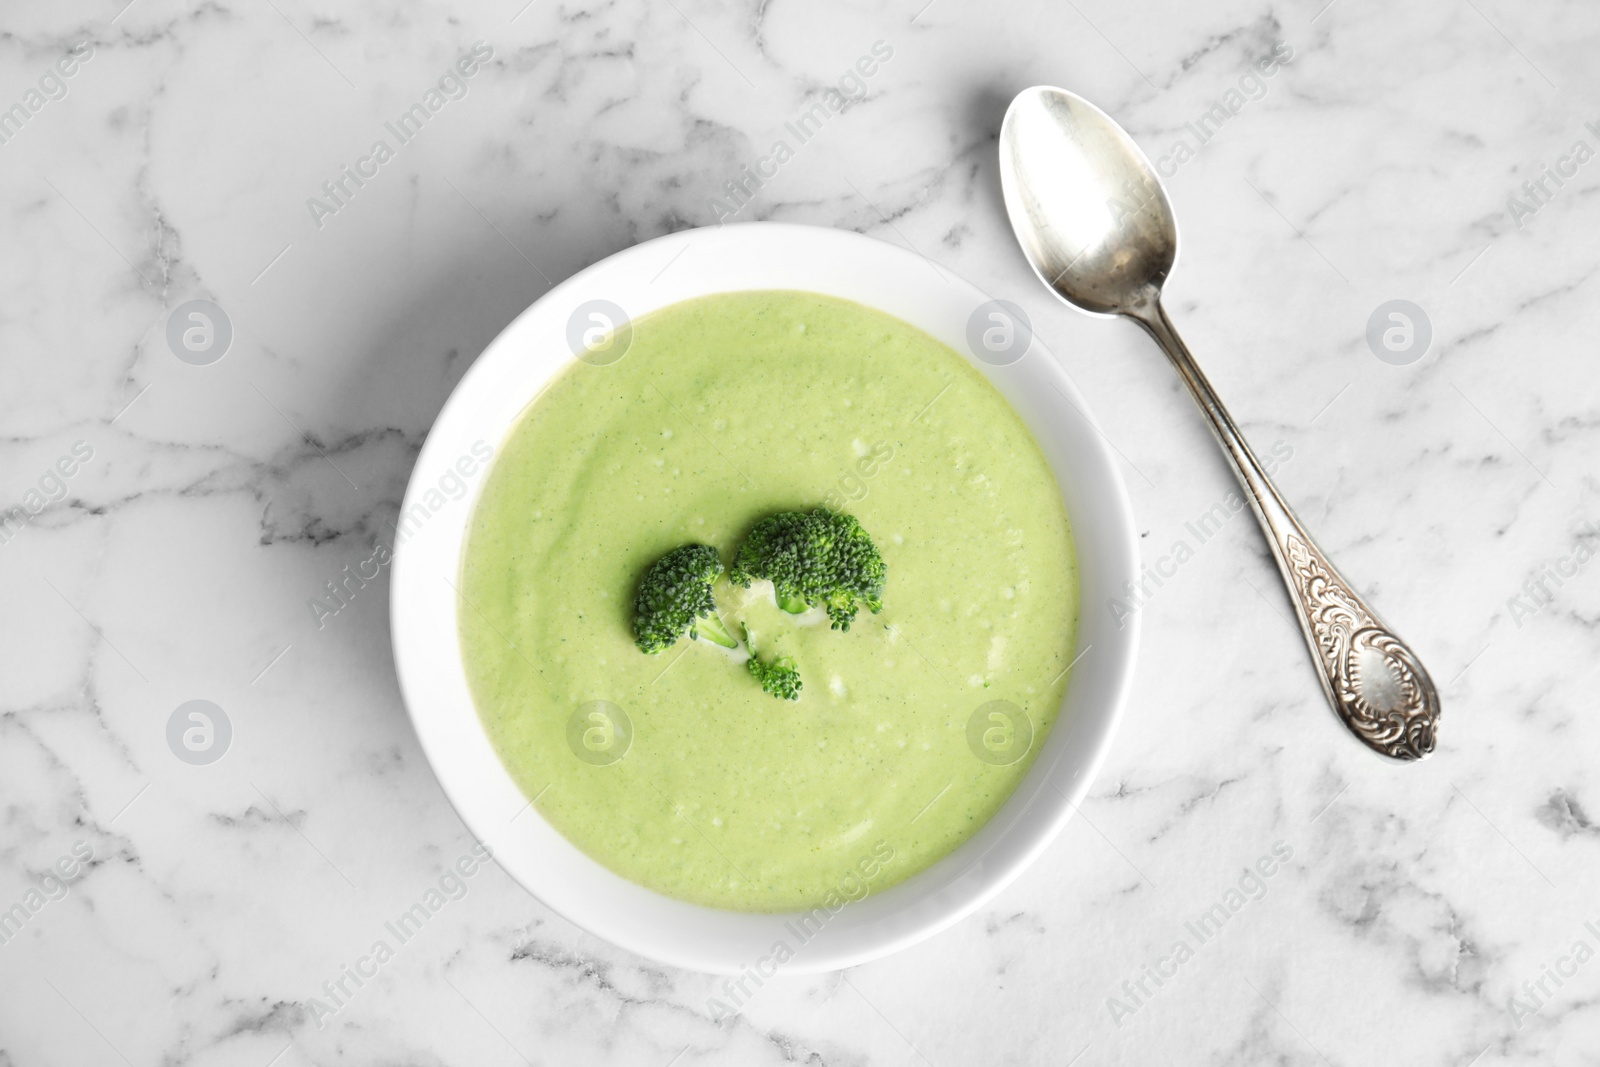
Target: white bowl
(488,402)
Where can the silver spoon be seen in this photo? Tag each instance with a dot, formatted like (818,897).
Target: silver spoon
(1096,226)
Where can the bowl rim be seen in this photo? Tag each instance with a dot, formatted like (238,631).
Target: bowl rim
(529,849)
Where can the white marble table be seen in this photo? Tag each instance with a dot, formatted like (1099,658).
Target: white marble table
(192,914)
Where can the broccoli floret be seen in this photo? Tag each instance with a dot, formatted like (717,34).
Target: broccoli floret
(780,676)
(814,558)
(675,596)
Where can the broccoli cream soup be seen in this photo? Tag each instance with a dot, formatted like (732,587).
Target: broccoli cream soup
(676,770)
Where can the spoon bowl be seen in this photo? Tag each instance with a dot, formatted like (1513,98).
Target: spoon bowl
(1097,228)
(1093,220)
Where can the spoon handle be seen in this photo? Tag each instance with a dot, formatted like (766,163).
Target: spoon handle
(1371,677)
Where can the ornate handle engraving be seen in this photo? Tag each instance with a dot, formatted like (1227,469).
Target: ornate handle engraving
(1379,689)
(1373,680)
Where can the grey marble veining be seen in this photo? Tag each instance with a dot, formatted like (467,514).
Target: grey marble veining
(1444,914)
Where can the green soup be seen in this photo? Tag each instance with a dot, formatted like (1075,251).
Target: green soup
(724,410)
